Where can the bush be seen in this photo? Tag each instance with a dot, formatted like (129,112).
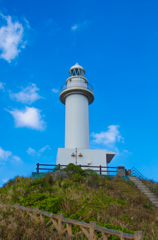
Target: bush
(72,169)
(49,177)
(13,181)
(90,172)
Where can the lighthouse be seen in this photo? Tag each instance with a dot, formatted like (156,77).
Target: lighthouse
(77,94)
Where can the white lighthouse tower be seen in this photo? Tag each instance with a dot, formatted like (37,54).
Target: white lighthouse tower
(77,94)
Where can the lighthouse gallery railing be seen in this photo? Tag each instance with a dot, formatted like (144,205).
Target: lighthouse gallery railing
(89,87)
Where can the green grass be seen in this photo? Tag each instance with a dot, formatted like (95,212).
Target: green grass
(113,203)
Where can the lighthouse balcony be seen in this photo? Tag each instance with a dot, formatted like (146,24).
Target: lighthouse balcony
(77,85)
(77,88)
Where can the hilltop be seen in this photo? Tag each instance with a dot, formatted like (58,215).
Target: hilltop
(81,195)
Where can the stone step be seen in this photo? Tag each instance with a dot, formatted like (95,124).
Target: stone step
(152,194)
(144,191)
(149,194)
(154,200)
(140,184)
(136,181)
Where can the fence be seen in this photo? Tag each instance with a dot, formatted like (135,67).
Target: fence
(136,173)
(99,170)
(84,227)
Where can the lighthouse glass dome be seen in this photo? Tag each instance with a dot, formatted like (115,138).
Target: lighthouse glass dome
(76,72)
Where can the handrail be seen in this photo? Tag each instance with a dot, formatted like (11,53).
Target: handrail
(59,226)
(151,186)
(134,170)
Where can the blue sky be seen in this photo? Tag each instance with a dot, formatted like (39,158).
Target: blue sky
(117,44)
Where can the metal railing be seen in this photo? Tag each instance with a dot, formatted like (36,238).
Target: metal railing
(88,86)
(136,173)
(147,182)
(100,168)
(59,223)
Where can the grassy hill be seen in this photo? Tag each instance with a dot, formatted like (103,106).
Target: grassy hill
(81,195)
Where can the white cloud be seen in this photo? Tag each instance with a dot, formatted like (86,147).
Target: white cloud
(29,117)
(54,90)
(126,151)
(4,155)
(74,27)
(27,22)
(80,25)
(2,86)
(11,41)
(110,137)
(27,95)
(33,152)
(44,148)
(16,159)
(7,155)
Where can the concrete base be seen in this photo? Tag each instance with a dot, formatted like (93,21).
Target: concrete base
(88,157)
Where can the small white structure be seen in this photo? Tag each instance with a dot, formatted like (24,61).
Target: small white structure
(77,94)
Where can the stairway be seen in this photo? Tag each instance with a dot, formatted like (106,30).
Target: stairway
(144,189)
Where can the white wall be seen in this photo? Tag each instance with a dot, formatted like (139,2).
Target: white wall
(95,157)
(76,121)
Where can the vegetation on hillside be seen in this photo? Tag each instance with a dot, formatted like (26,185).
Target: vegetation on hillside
(81,195)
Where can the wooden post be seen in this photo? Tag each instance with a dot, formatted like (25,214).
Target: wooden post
(104,236)
(92,231)
(35,210)
(37,167)
(69,229)
(42,219)
(100,169)
(138,235)
(22,213)
(59,165)
(60,224)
